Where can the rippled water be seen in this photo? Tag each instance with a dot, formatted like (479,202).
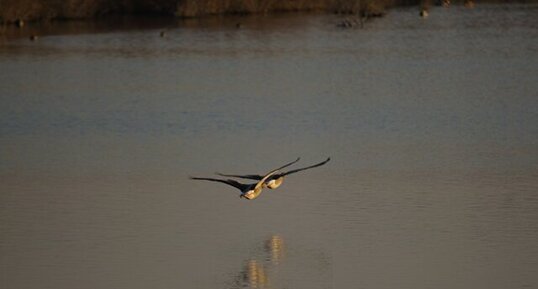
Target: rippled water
(431,124)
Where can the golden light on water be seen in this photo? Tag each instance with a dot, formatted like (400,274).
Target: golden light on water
(257,271)
(256,275)
(275,247)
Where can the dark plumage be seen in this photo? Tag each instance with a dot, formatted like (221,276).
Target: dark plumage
(275,180)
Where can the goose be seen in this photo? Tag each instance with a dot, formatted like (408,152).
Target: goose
(275,180)
(248,191)
(423,13)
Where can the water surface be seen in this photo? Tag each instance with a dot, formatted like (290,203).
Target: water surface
(432,126)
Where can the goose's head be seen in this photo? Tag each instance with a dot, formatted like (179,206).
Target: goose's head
(251,194)
(255,189)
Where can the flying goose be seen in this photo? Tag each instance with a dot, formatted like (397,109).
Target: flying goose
(423,13)
(275,180)
(248,191)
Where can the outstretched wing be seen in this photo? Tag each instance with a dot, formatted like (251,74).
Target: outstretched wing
(250,177)
(306,168)
(288,164)
(232,183)
(257,177)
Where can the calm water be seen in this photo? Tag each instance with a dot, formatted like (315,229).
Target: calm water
(432,126)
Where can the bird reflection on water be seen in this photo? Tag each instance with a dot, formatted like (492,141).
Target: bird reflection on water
(255,275)
(275,247)
(257,272)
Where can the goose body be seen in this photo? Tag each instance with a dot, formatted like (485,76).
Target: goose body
(274,182)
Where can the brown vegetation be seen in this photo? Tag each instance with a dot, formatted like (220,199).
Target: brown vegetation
(14,10)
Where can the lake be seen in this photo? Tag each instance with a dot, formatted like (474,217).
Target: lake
(431,126)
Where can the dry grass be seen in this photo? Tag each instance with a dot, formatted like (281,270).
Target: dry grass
(12,10)
(194,8)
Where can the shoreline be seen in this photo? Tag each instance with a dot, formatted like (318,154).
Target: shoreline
(352,15)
